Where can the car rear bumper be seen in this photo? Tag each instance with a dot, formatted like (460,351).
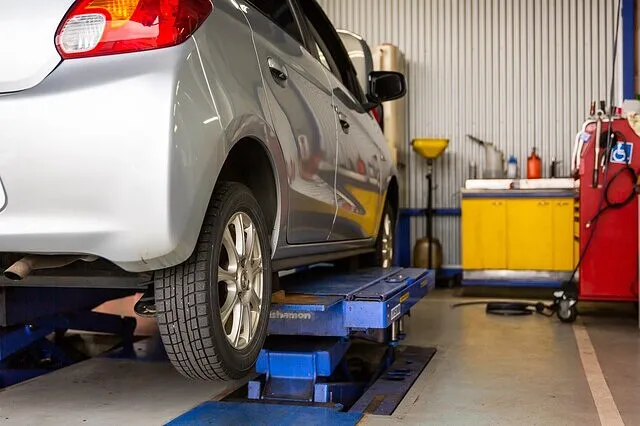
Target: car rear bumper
(92,161)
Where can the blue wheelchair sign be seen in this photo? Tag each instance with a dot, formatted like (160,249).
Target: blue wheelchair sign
(622,153)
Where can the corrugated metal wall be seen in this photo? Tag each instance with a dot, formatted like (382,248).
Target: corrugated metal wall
(518,73)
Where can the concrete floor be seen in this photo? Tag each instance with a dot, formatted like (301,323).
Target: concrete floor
(488,370)
(493,370)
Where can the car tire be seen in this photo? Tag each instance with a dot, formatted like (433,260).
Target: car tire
(222,280)
(383,254)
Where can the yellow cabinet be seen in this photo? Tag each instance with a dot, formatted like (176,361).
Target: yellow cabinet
(527,234)
(484,232)
(530,234)
(563,231)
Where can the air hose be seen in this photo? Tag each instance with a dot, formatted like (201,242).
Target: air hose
(512,308)
(616,205)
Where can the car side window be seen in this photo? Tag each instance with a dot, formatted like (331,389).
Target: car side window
(322,52)
(330,45)
(280,12)
(322,57)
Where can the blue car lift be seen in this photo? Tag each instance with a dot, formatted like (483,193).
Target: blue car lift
(29,316)
(315,319)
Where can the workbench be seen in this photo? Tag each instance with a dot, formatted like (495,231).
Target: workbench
(518,236)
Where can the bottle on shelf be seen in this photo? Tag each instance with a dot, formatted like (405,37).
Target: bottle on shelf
(512,168)
(534,165)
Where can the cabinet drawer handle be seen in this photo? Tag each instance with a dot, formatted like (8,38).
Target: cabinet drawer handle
(542,203)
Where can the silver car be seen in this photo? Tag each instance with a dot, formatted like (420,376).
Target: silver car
(191,149)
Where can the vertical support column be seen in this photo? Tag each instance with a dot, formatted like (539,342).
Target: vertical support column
(630,58)
(430,212)
(401,333)
(402,240)
(394,333)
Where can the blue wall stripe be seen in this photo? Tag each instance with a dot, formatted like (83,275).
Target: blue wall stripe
(628,49)
(436,212)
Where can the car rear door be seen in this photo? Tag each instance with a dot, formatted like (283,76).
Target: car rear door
(300,100)
(358,177)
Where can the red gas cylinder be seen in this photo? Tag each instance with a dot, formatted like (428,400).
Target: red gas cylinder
(534,165)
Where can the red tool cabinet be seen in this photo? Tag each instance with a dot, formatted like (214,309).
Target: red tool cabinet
(609,267)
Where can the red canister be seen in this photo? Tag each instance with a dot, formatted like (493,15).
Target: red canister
(534,165)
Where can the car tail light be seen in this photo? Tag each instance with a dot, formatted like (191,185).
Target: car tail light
(107,27)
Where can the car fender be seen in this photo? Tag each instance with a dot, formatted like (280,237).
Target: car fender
(216,104)
(258,130)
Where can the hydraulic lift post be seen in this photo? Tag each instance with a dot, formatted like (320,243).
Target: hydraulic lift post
(311,324)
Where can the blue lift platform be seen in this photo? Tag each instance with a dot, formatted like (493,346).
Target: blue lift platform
(334,350)
(333,345)
(34,320)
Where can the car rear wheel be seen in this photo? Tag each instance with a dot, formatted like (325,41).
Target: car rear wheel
(386,238)
(383,254)
(213,310)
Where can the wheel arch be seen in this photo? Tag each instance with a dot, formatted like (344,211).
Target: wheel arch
(246,136)
(250,153)
(251,136)
(393,195)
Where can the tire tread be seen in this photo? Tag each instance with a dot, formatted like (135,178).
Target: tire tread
(182,307)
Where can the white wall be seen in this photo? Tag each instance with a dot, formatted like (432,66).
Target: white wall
(520,73)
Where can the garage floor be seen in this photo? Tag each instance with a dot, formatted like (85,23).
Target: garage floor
(488,370)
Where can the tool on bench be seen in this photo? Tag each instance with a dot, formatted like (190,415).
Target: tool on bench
(494,164)
(596,148)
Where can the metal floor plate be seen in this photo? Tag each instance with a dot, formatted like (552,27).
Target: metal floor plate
(386,393)
(232,413)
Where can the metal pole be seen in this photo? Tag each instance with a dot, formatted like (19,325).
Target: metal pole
(429,214)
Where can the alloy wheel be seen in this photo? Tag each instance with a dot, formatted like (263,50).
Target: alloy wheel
(387,241)
(240,280)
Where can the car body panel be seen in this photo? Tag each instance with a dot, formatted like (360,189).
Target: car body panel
(302,116)
(358,183)
(27,51)
(230,97)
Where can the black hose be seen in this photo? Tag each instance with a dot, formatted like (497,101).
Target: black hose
(620,204)
(511,308)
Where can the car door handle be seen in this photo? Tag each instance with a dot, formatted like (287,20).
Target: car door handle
(343,122)
(278,71)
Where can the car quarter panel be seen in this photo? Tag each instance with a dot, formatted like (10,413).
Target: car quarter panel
(228,96)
